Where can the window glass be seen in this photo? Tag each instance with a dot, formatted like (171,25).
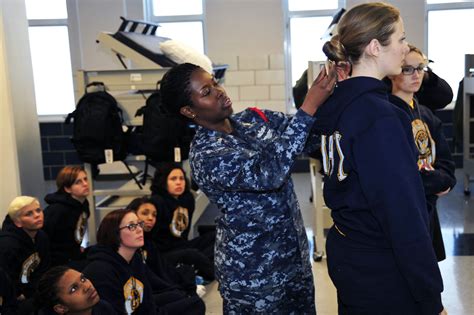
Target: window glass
(52,71)
(46,9)
(190,33)
(446,1)
(302,49)
(302,5)
(448,43)
(177,7)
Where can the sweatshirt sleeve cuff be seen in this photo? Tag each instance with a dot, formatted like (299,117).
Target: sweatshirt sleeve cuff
(431,306)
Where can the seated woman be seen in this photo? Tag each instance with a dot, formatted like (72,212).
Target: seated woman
(122,278)
(181,274)
(116,267)
(24,249)
(175,203)
(62,290)
(67,214)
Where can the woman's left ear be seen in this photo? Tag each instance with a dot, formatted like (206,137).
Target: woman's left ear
(60,309)
(187,112)
(373,48)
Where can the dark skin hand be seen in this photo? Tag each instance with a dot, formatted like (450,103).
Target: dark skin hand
(320,90)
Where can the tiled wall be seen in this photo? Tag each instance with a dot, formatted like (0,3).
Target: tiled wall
(56,147)
(255,81)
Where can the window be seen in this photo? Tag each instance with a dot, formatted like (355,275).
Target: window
(182,20)
(51,58)
(306,22)
(449,23)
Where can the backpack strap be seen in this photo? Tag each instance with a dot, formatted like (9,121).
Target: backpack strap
(259,113)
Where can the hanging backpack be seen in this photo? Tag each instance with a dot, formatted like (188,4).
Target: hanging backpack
(98,127)
(166,138)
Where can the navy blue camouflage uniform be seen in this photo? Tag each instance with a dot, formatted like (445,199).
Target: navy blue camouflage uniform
(261,254)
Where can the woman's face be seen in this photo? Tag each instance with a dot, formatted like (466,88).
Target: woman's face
(392,56)
(410,83)
(176,183)
(147,213)
(76,293)
(210,101)
(131,233)
(80,188)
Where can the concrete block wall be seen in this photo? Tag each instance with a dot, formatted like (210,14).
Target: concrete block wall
(255,81)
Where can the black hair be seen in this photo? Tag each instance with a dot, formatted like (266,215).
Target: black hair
(159,186)
(138,202)
(47,291)
(175,87)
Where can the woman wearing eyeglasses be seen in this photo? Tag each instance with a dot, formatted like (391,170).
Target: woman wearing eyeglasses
(435,163)
(116,268)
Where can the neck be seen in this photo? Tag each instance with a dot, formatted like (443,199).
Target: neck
(80,199)
(367,68)
(223,126)
(407,97)
(126,252)
(31,233)
(83,312)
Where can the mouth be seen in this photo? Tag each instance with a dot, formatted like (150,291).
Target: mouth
(140,238)
(93,294)
(227,103)
(39,222)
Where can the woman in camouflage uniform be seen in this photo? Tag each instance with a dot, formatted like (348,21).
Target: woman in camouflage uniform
(242,163)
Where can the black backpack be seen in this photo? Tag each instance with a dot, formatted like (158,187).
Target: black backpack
(163,132)
(97,126)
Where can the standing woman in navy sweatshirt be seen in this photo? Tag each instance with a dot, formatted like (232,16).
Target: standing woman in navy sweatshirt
(379,250)
(434,158)
(67,214)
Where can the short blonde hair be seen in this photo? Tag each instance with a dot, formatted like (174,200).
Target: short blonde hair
(19,203)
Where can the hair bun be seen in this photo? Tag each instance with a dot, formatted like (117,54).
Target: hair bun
(335,50)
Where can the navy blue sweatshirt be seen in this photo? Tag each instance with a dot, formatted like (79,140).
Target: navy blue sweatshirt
(8,302)
(182,277)
(162,232)
(436,147)
(124,285)
(23,259)
(373,186)
(65,222)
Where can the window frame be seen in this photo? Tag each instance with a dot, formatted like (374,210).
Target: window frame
(71,24)
(287,16)
(148,13)
(443,7)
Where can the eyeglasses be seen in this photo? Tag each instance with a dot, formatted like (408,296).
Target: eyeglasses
(133,226)
(409,70)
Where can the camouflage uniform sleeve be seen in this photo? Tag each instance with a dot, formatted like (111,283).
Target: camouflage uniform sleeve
(263,168)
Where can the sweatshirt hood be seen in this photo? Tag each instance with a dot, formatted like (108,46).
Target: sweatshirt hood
(10,230)
(66,200)
(343,96)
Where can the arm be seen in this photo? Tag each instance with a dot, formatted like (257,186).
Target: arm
(435,92)
(388,174)
(230,166)
(442,177)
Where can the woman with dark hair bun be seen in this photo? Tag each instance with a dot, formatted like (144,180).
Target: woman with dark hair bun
(379,250)
(175,207)
(242,163)
(62,290)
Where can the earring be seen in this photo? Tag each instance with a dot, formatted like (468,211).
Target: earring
(193,116)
